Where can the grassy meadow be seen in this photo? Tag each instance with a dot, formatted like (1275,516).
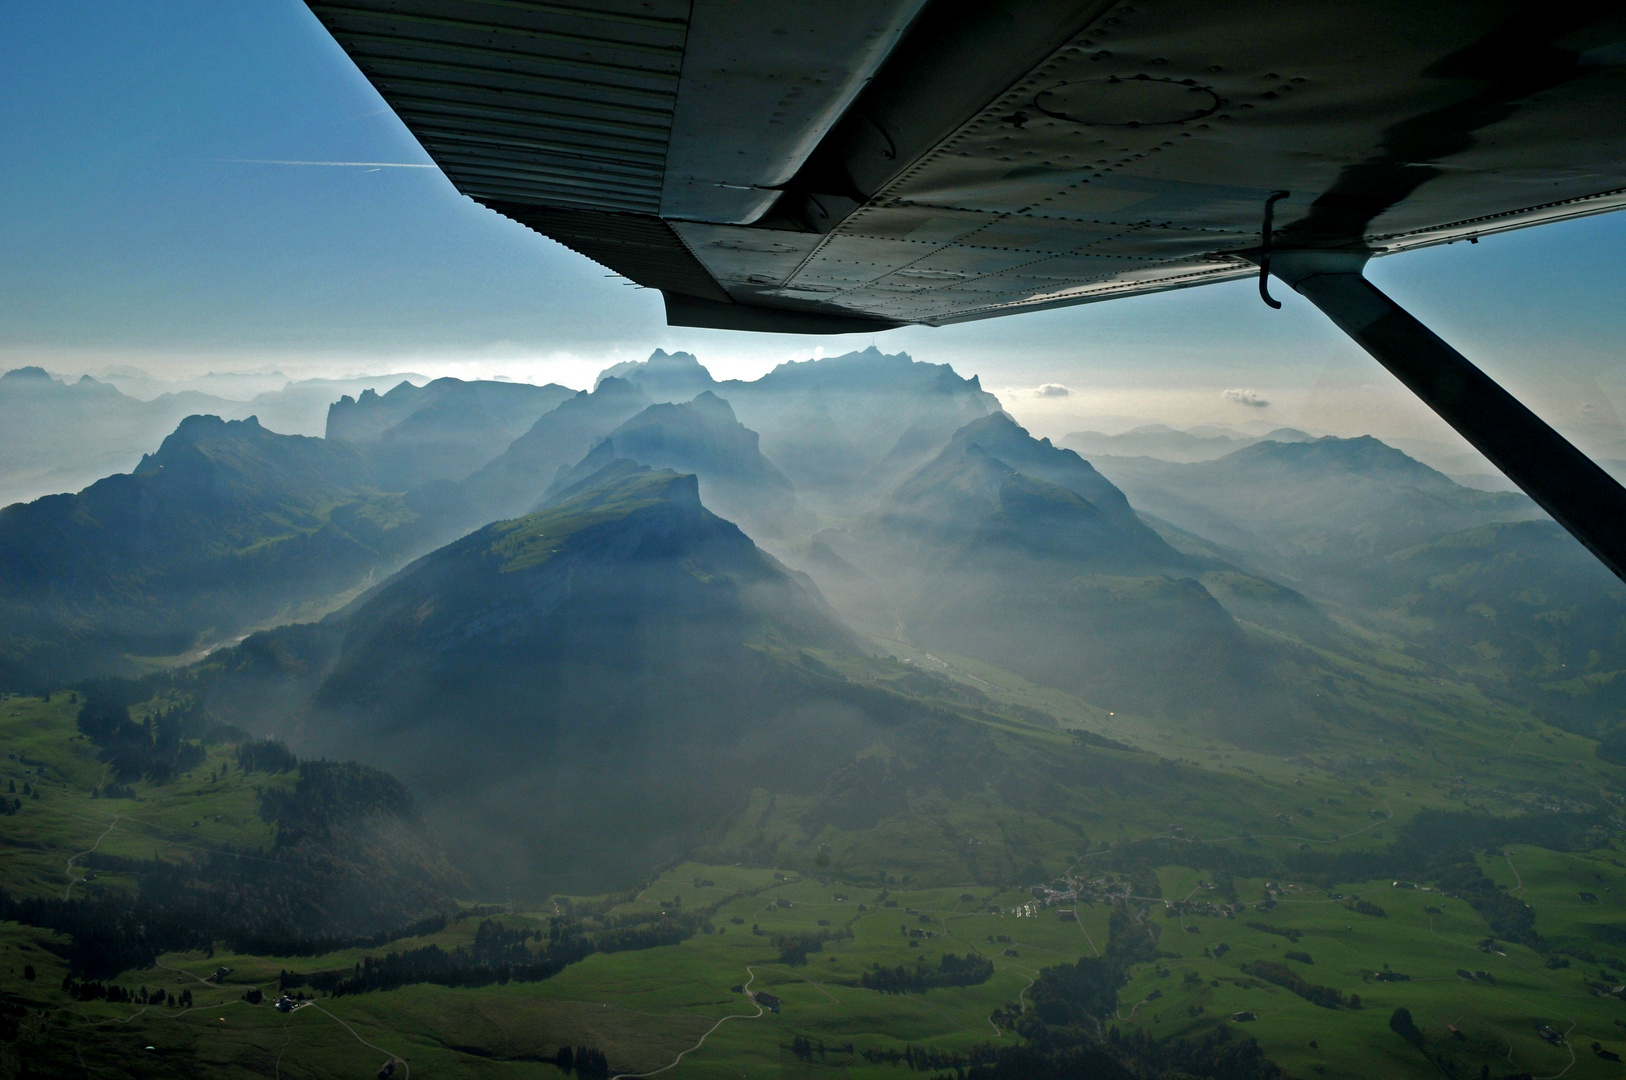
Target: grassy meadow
(943,875)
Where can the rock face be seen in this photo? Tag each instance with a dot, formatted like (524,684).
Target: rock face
(583,689)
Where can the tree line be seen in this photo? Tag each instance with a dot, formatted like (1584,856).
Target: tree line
(969,970)
(501,954)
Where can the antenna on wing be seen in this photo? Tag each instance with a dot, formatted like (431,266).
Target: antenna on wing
(1264,248)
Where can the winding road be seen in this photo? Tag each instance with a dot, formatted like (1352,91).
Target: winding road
(72,881)
(682,1054)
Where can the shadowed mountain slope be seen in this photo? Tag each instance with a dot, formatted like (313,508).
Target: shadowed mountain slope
(585,689)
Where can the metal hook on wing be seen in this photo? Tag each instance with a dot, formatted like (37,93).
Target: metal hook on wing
(1264,247)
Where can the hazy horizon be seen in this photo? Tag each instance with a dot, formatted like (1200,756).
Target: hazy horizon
(193,188)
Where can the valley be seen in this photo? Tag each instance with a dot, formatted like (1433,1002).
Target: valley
(1217,899)
(700,729)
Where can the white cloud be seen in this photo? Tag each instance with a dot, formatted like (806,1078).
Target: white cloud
(1251,398)
(1052,390)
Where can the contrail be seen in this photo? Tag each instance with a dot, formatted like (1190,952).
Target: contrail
(338,164)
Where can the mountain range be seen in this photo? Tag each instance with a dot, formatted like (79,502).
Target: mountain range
(59,436)
(1478,581)
(1016,552)
(840,428)
(443,430)
(697,678)
(1171,444)
(573,693)
(512,482)
(1312,508)
(925,516)
(225,525)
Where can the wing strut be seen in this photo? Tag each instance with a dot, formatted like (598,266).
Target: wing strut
(1579,495)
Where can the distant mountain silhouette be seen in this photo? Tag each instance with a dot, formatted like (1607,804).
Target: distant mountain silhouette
(846,429)
(701,437)
(58,436)
(1479,582)
(227,524)
(516,479)
(1172,444)
(444,430)
(843,429)
(1312,509)
(664,377)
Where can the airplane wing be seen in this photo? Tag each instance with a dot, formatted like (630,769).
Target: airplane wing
(854,165)
(850,164)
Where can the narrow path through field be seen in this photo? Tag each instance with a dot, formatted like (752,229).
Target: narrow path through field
(1021,997)
(287,1037)
(703,1038)
(406,1075)
(1517,880)
(1088,938)
(183,971)
(72,881)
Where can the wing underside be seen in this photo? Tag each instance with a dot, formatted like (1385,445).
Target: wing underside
(857,164)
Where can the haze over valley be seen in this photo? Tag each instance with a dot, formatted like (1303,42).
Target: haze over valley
(517,692)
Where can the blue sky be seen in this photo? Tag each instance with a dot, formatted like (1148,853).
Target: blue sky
(142,227)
